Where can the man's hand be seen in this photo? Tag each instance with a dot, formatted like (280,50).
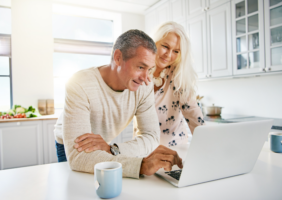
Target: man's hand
(162,157)
(90,142)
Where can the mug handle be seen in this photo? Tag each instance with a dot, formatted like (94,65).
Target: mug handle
(96,183)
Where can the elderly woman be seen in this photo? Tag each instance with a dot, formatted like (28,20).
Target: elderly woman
(174,85)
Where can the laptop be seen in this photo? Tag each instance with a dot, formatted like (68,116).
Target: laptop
(218,151)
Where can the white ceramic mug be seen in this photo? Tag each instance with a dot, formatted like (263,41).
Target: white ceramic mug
(108,179)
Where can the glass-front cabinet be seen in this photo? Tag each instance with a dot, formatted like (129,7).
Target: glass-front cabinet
(273,35)
(248,36)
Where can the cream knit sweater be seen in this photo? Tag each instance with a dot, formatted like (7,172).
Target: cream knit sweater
(92,106)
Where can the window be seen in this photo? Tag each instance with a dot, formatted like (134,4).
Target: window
(6,100)
(66,64)
(82,28)
(79,43)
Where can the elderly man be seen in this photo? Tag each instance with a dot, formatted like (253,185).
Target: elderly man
(101,102)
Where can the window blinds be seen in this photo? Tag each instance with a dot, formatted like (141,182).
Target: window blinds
(83,47)
(5,45)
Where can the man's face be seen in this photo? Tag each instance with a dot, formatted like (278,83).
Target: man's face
(133,72)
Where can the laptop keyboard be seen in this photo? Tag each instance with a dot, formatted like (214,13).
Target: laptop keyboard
(175,174)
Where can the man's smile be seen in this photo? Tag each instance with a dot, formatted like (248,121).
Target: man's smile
(136,82)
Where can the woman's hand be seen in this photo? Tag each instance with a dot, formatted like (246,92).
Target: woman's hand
(148,80)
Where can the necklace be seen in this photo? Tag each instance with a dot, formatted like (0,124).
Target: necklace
(158,81)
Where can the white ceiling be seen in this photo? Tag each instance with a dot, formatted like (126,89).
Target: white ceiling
(130,6)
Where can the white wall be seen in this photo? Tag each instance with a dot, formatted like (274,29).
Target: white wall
(5,3)
(132,21)
(32,47)
(256,96)
(32,51)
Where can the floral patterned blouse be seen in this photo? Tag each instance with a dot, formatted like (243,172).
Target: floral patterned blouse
(173,114)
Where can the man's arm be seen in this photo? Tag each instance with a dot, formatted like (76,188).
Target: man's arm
(147,132)
(76,123)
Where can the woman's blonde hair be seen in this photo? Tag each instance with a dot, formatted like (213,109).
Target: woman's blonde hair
(184,75)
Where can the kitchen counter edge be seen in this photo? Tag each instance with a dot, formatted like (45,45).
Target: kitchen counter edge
(44,117)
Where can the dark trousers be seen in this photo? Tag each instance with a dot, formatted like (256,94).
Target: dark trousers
(61,154)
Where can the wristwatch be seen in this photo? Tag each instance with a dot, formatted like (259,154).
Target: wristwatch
(114,149)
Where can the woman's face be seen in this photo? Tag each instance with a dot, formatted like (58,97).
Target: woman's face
(168,50)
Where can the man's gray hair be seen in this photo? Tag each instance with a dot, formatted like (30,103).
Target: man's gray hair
(129,41)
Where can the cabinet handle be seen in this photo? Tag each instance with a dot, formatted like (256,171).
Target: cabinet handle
(210,75)
(207,8)
(269,69)
(264,70)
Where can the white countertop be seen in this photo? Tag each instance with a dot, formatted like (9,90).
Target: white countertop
(43,117)
(57,181)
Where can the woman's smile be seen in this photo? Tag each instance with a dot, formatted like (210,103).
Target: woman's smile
(165,60)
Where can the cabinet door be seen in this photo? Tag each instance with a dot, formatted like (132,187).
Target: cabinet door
(151,22)
(195,7)
(163,14)
(21,144)
(197,33)
(273,35)
(248,40)
(177,10)
(214,3)
(184,24)
(219,41)
(50,155)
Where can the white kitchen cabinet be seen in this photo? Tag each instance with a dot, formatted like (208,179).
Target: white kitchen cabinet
(210,35)
(27,143)
(21,144)
(201,6)
(163,13)
(248,37)
(50,154)
(210,4)
(151,22)
(195,7)
(229,38)
(273,35)
(219,41)
(197,32)
(178,11)
(185,26)
(157,16)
